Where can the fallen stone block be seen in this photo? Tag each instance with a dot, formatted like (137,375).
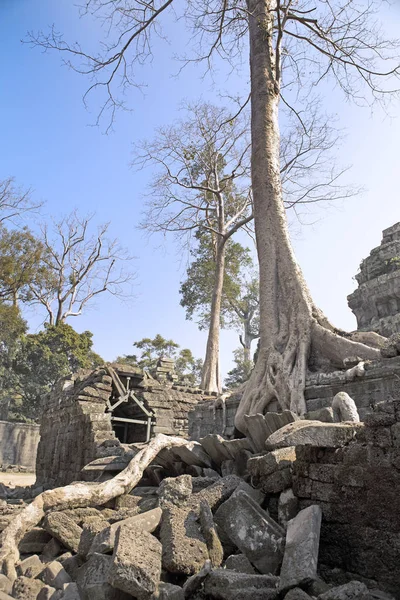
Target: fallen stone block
(201,483)
(168,591)
(239,563)
(196,581)
(138,503)
(354,590)
(218,492)
(288,507)
(5,584)
(55,575)
(253,531)
(30,567)
(136,567)
(323,414)
(192,454)
(49,593)
(299,565)
(184,546)
(89,532)
(297,594)
(34,541)
(257,431)
(314,433)
(64,529)
(229,585)
(257,495)
(175,490)
(71,592)
(213,445)
(72,564)
(25,588)
(104,541)
(52,549)
(214,546)
(261,467)
(92,580)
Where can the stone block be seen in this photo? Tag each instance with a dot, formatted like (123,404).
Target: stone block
(218,492)
(184,546)
(71,592)
(136,567)
(261,467)
(25,588)
(139,504)
(314,433)
(213,444)
(297,594)
(378,436)
(325,415)
(257,495)
(252,530)
(175,490)
(64,529)
(52,549)
(223,584)
(49,593)
(34,541)
(89,532)
(55,575)
(105,540)
(214,546)
(354,590)
(300,560)
(379,419)
(277,482)
(92,580)
(72,564)
(168,591)
(239,563)
(30,567)
(5,584)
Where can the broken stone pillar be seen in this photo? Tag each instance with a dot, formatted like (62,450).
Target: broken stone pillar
(300,560)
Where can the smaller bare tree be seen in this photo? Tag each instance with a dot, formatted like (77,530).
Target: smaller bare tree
(78,266)
(202,181)
(15,201)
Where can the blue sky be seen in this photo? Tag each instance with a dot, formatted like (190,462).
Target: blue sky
(49,145)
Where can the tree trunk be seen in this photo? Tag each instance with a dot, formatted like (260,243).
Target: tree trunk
(77,495)
(289,322)
(210,376)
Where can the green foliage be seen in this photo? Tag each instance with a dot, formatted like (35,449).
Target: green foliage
(45,357)
(197,289)
(187,367)
(23,263)
(241,372)
(12,328)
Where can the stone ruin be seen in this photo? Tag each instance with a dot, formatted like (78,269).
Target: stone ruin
(376,301)
(299,509)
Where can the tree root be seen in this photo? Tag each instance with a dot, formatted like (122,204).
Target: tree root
(77,495)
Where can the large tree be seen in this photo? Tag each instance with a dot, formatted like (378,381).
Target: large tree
(294,46)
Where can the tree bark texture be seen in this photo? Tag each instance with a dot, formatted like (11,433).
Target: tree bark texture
(210,377)
(290,324)
(77,495)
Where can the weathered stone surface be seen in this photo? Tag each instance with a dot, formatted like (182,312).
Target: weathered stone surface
(218,492)
(25,588)
(229,585)
(184,546)
(71,592)
(314,433)
(288,506)
(168,591)
(136,567)
(324,414)
(214,546)
(64,529)
(194,582)
(297,594)
(5,584)
(34,541)
(55,575)
(261,467)
(93,583)
(252,530)
(239,563)
(49,593)
(301,551)
(72,565)
(175,490)
(344,408)
(4,596)
(349,591)
(89,532)
(193,454)
(139,503)
(260,427)
(213,445)
(257,495)
(105,540)
(30,567)
(52,549)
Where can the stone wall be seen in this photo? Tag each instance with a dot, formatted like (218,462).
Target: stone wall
(358,489)
(76,419)
(214,416)
(18,444)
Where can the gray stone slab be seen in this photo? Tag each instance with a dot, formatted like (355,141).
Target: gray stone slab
(288,507)
(64,529)
(354,590)
(136,563)
(239,563)
(223,584)
(92,580)
(214,546)
(253,531)
(314,433)
(257,431)
(300,560)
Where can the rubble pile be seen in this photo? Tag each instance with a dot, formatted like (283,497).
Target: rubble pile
(215,519)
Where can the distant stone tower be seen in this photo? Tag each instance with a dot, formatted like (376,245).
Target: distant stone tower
(376,301)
